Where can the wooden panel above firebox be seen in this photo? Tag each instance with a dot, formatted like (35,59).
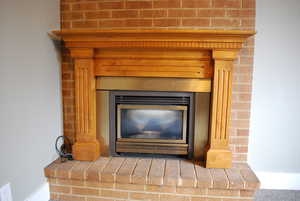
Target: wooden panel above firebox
(153,63)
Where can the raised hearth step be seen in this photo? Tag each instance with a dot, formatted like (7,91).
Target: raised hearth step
(148,171)
(147,179)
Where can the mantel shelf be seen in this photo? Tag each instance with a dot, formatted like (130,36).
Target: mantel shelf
(208,39)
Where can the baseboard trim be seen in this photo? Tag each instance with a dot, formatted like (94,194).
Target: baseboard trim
(276,180)
(41,194)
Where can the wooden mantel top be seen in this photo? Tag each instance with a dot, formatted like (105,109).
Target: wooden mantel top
(246,33)
(168,38)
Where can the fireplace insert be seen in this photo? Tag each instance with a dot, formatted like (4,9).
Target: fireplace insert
(151,123)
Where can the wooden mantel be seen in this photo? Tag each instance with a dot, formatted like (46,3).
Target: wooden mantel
(88,46)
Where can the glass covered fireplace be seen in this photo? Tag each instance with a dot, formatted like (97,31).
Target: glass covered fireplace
(151,122)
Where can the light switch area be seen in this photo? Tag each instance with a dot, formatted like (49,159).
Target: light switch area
(5,193)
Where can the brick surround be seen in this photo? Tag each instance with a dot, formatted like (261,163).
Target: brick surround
(112,179)
(168,14)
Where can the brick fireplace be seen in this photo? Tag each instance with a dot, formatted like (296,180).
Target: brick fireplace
(96,35)
(168,14)
(162,55)
(204,57)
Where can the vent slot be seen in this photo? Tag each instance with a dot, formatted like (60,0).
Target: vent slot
(152,100)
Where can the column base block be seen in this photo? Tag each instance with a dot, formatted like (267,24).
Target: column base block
(218,158)
(86,151)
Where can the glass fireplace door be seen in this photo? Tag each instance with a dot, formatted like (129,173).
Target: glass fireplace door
(151,123)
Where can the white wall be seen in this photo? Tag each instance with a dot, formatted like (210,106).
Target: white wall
(274,134)
(30,99)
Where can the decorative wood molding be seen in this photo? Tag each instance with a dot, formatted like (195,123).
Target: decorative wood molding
(157,54)
(192,39)
(153,62)
(82,53)
(218,154)
(87,145)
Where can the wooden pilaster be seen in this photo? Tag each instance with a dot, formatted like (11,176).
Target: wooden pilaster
(86,147)
(219,154)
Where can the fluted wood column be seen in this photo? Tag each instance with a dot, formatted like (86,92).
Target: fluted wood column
(219,154)
(86,147)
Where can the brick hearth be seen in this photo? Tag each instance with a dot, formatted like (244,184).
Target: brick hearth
(120,178)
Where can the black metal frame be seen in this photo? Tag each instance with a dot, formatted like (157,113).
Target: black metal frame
(113,116)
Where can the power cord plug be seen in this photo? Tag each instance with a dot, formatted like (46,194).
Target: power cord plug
(61,145)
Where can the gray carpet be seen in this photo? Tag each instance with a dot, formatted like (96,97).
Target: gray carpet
(277,195)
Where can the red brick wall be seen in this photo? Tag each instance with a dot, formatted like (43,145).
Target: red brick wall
(168,14)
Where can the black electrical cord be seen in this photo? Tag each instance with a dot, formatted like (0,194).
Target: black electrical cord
(62,151)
